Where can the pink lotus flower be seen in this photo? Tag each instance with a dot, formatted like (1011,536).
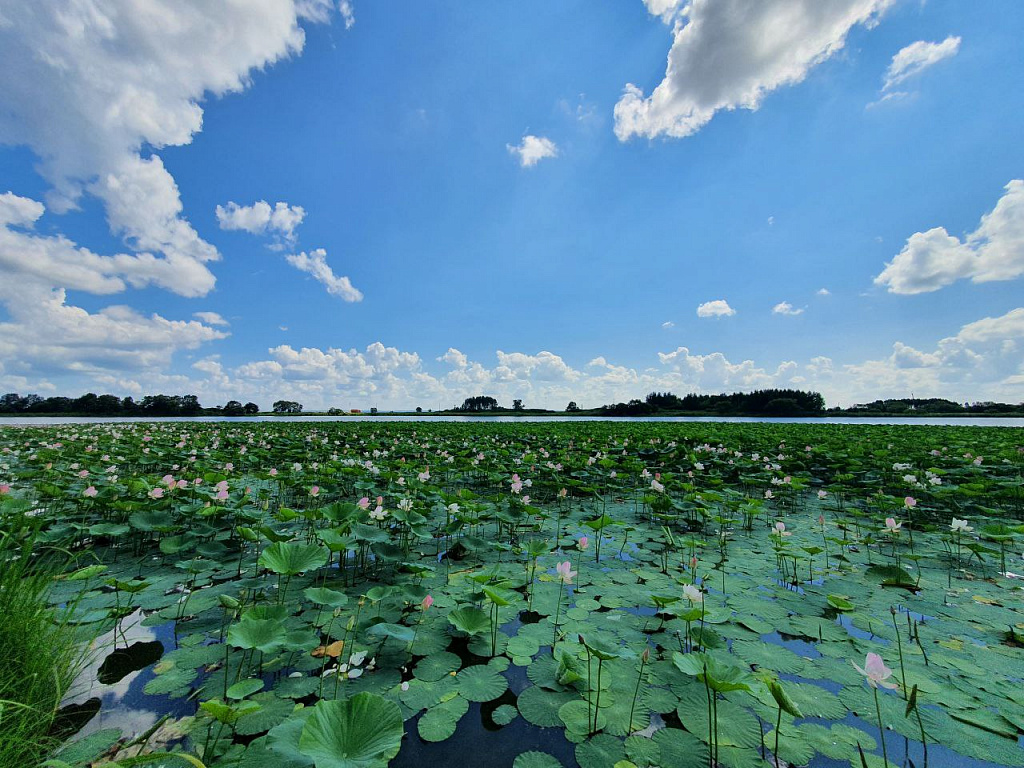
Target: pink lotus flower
(693,563)
(910,502)
(424,475)
(563,492)
(564,573)
(314,491)
(427,602)
(90,491)
(891,525)
(156,493)
(5,488)
(780,529)
(657,487)
(221,486)
(822,494)
(221,495)
(875,671)
(168,480)
(182,483)
(273,472)
(84,473)
(363,503)
(584,542)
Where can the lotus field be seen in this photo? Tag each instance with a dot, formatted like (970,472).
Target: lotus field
(529,595)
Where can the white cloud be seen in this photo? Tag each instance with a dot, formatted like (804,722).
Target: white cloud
(454,358)
(716,308)
(348,15)
(983,360)
(916,58)
(785,308)
(315,263)
(533,149)
(668,324)
(728,54)
(88,85)
(824,292)
(46,335)
(993,251)
(210,318)
(260,219)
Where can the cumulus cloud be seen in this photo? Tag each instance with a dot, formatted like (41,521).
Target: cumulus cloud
(532,149)
(315,263)
(933,259)
(729,54)
(716,308)
(823,292)
(454,358)
(260,219)
(785,308)
(668,324)
(916,58)
(117,77)
(46,335)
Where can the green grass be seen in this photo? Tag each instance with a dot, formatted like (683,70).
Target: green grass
(39,655)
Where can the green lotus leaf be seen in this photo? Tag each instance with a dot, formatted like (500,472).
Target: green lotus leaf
(540,707)
(264,635)
(481,683)
(244,688)
(432,668)
(470,620)
(600,751)
(398,632)
(364,731)
(324,596)
(504,714)
(289,558)
(536,760)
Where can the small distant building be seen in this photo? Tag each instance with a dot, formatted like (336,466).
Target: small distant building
(355,410)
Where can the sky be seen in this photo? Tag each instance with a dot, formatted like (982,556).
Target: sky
(360,204)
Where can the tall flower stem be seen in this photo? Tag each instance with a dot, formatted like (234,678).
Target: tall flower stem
(881,728)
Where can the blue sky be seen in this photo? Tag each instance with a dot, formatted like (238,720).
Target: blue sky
(402,204)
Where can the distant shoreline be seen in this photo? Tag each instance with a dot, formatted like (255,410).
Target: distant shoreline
(587,414)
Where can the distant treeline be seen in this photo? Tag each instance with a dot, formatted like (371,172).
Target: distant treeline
(763,402)
(110,405)
(932,405)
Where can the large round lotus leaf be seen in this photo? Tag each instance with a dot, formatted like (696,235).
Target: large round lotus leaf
(435,666)
(264,635)
(470,620)
(540,707)
(680,749)
(481,683)
(600,751)
(522,646)
(289,558)
(360,732)
(536,760)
